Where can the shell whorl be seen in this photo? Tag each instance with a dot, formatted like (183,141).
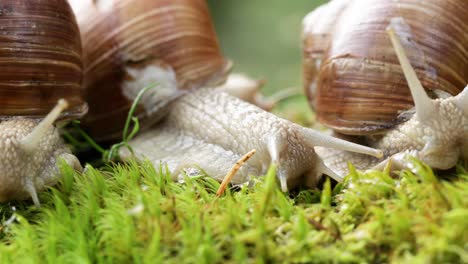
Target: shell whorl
(40,58)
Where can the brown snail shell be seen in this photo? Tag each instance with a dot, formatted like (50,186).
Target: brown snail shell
(40,58)
(351,73)
(122,39)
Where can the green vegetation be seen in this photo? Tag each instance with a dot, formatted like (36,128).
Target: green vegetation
(134,213)
(263,38)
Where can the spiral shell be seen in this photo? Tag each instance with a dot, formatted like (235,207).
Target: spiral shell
(40,58)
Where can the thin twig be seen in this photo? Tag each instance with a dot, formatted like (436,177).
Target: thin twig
(227,179)
(284,94)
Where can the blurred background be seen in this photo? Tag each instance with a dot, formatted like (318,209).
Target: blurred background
(263,38)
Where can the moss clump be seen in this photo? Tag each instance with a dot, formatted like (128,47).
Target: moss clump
(134,213)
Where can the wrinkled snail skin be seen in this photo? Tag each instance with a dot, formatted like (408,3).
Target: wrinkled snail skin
(436,130)
(40,63)
(211,130)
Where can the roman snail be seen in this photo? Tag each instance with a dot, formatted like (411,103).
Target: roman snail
(356,86)
(40,66)
(130,44)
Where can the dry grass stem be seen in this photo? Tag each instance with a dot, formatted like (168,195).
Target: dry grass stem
(227,179)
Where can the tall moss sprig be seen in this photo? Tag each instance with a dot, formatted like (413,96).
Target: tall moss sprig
(126,136)
(112,152)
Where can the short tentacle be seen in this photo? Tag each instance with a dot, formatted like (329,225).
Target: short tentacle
(283,178)
(72,160)
(31,189)
(461,100)
(275,144)
(322,168)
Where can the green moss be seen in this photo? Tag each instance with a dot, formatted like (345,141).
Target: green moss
(134,213)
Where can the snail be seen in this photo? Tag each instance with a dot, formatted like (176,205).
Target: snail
(356,86)
(41,69)
(189,126)
(128,45)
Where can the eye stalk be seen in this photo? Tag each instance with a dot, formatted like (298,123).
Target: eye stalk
(30,143)
(424,105)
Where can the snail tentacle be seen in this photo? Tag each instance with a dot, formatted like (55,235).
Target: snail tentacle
(275,145)
(30,143)
(322,168)
(461,100)
(423,103)
(314,138)
(31,189)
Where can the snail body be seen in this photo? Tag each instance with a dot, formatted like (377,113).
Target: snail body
(40,63)
(357,86)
